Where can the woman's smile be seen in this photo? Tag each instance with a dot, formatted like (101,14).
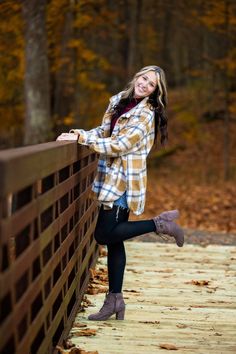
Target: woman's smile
(145,84)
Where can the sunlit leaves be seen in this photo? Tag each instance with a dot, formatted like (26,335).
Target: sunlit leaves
(11,70)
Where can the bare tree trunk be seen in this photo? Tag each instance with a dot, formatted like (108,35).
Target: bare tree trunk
(114,52)
(37,121)
(65,76)
(226,94)
(166,40)
(133,37)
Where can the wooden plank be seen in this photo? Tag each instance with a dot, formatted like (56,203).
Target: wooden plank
(35,162)
(168,307)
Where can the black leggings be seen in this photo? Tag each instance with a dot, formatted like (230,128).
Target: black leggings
(112,229)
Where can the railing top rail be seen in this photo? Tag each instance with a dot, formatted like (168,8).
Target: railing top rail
(21,166)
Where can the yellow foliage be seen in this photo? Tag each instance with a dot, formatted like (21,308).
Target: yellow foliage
(12,65)
(69,120)
(220,17)
(83,21)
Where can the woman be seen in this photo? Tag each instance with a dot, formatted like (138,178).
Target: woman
(126,136)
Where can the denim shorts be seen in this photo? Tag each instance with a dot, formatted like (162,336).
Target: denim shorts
(122,201)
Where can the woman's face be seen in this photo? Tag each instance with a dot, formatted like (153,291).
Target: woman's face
(145,84)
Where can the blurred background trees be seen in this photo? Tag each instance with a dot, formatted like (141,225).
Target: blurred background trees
(61,60)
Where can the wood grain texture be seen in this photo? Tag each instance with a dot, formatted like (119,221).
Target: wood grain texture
(182,298)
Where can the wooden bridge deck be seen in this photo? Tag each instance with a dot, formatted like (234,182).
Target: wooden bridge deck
(177,299)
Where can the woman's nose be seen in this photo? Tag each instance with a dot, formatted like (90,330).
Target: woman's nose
(145,84)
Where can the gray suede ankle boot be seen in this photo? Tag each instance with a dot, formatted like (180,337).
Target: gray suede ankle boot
(113,304)
(165,225)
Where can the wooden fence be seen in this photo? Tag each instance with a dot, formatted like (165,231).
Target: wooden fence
(46,243)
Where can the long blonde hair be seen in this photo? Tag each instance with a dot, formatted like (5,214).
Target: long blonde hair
(161,83)
(157,100)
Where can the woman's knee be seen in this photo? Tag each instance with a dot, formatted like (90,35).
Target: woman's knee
(100,237)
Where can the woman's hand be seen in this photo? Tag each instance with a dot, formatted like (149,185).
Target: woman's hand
(67,137)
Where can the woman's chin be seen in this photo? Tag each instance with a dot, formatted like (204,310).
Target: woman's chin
(139,95)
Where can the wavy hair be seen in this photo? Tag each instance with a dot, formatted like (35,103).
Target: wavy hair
(157,100)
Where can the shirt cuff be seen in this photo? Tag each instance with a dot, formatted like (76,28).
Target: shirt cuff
(85,138)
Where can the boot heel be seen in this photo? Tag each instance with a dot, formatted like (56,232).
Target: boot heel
(120,315)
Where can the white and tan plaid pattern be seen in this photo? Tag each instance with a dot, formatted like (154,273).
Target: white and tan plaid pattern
(122,160)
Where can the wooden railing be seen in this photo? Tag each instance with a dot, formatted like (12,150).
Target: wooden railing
(46,243)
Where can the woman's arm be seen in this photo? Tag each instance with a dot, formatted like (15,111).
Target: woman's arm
(126,141)
(74,134)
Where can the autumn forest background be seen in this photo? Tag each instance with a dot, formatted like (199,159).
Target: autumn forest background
(61,60)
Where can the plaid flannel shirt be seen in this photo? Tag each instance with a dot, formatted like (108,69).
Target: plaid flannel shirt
(122,156)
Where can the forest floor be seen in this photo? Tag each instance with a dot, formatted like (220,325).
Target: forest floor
(207,211)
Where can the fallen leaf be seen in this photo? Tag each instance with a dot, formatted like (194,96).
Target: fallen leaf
(98,281)
(173,308)
(79,325)
(87,332)
(168,270)
(133,271)
(102,251)
(76,351)
(198,282)
(92,273)
(150,322)
(62,350)
(92,290)
(168,346)
(85,303)
(181,325)
(132,291)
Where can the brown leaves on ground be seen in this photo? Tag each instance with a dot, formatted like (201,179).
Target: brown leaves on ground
(74,350)
(98,281)
(85,303)
(69,348)
(86,332)
(181,325)
(198,282)
(79,325)
(83,331)
(168,346)
(102,251)
(167,270)
(150,322)
(131,291)
(209,207)
(98,275)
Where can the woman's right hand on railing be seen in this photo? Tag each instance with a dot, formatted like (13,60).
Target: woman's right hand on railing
(68,137)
